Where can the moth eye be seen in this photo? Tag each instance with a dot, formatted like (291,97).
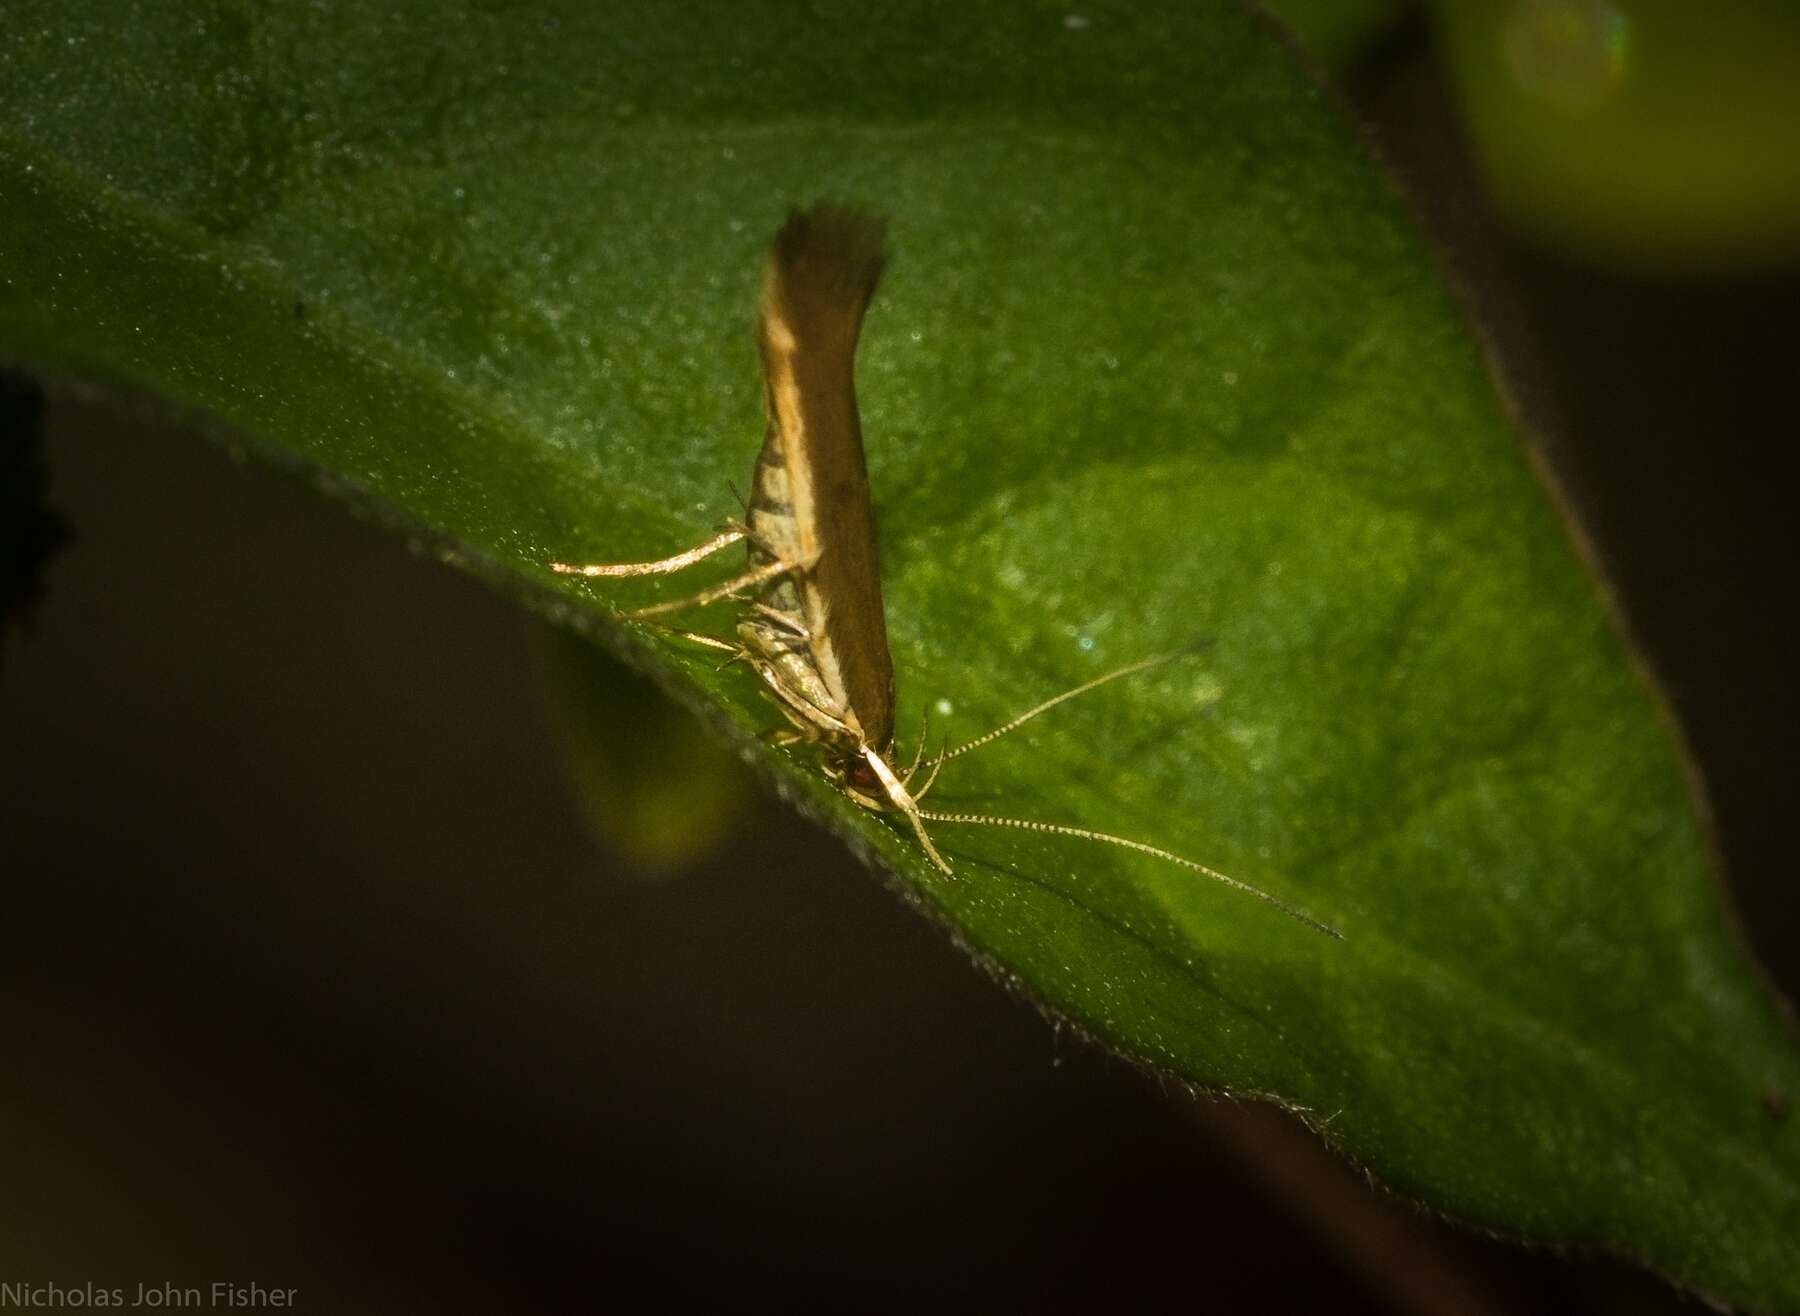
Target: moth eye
(860,775)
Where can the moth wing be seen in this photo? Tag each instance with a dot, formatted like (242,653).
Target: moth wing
(821,273)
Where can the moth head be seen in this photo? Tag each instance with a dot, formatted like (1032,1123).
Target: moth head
(853,774)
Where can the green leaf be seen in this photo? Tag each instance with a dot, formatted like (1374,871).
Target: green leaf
(1158,359)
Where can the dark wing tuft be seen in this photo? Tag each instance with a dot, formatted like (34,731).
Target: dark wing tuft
(824,266)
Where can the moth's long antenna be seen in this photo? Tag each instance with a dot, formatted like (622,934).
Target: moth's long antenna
(1130,669)
(1082,833)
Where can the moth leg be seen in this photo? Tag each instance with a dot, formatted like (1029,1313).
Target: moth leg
(782,620)
(749,580)
(773,643)
(724,539)
(709,641)
(798,732)
(809,717)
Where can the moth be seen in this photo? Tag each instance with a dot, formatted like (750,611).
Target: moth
(811,622)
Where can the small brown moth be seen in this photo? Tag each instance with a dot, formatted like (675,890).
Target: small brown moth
(812,624)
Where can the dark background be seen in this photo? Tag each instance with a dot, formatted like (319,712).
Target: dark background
(314,976)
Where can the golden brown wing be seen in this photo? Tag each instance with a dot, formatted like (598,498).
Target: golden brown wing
(821,272)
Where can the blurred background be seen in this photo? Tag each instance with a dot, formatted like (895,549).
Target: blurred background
(338,958)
